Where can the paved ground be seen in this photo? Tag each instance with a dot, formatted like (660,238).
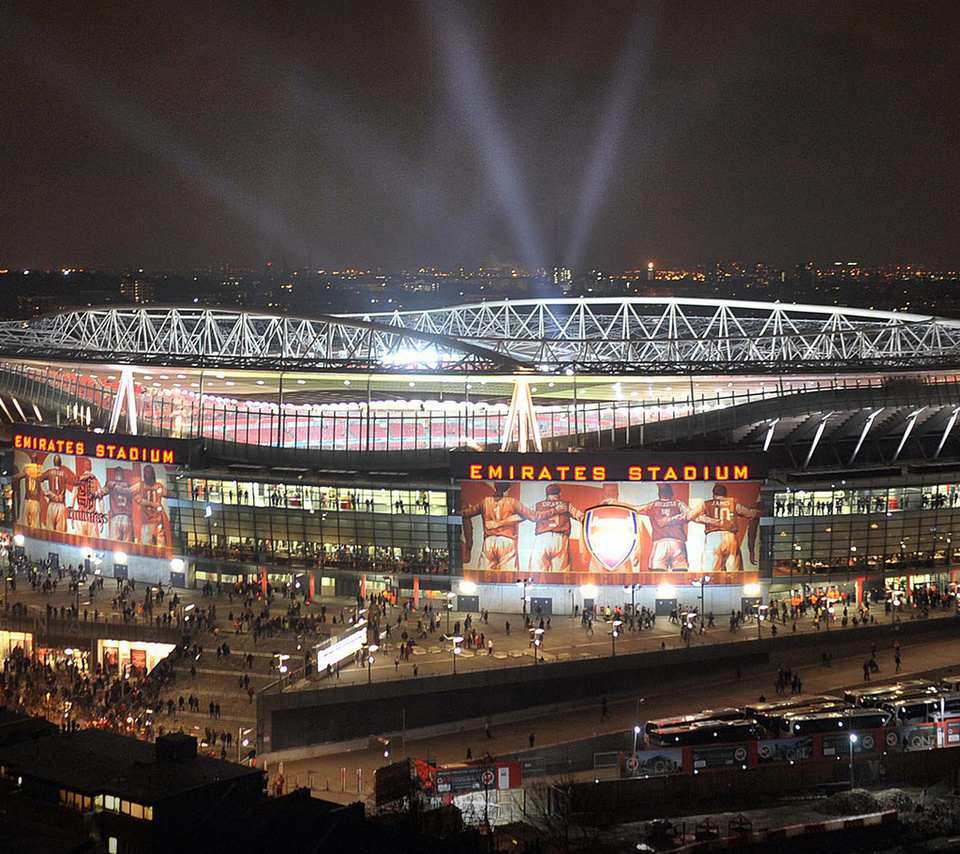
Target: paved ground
(218,679)
(704,691)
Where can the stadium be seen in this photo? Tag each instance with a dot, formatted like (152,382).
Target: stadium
(549,455)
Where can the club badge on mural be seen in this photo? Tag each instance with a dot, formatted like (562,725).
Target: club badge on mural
(611,533)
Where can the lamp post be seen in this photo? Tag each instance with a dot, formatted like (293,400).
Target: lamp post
(853,741)
(523,584)
(537,636)
(450,596)
(636,732)
(761,615)
(370,659)
(456,651)
(242,741)
(614,634)
(633,601)
(702,583)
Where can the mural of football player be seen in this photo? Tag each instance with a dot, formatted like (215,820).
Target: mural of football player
(120,493)
(86,504)
(720,517)
(551,542)
(501,515)
(668,529)
(56,482)
(32,492)
(149,495)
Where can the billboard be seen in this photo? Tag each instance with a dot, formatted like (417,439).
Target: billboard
(96,490)
(609,518)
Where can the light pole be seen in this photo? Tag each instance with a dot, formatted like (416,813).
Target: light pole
(456,651)
(615,634)
(450,596)
(523,583)
(760,618)
(853,741)
(370,659)
(636,732)
(537,635)
(633,601)
(242,741)
(702,583)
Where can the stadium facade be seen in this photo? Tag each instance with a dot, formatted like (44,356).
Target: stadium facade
(545,454)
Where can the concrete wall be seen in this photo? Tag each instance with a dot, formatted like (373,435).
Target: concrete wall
(327,713)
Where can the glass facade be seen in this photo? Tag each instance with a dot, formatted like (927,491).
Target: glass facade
(385,529)
(877,529)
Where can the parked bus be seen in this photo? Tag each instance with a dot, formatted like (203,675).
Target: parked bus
(700,717)
(852,720)
(769,714)
(705,732)
(922,708)
(873,696)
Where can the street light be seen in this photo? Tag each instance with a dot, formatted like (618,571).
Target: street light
(636,732)
(615,634)
(853,741)
(633,588)
(702,583)
(761,616)
(371,649)
(450,596)
(523,584)
(456,651)
(537,643)
(242,741)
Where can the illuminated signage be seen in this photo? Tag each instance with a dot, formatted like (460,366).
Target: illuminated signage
(104,446)
(339,648)
(616,466)
(611,533)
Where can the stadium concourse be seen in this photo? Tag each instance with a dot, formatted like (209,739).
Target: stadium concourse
(226,670)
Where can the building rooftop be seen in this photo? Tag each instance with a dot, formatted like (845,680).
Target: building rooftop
(94,761)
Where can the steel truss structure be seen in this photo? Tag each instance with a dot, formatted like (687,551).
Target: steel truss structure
(205,337)
(642,336)
(691,336)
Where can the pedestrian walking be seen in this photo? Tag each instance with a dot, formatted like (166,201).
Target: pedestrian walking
(896,659)
(532,739)
(604,711)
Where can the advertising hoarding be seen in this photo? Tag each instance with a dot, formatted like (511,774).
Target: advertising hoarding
(96,490)
(609,518)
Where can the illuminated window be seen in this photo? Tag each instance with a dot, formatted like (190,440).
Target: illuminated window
(110,803)
(112,845)
(148,813)
(136,811)
(125,807)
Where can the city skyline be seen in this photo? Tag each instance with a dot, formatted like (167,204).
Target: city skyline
(440,134)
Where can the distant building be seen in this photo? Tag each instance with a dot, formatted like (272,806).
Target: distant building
(131,795)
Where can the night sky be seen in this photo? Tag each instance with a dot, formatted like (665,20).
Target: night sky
(437,133)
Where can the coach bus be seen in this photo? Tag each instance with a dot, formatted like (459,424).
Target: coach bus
(852,720)
(873,697)
(769,714)
(730,714)
(922,708)
(706,732)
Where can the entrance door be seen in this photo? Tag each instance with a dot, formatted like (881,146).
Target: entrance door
(544,603)
(663,607)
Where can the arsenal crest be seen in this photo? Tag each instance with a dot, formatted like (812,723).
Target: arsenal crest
(611,532)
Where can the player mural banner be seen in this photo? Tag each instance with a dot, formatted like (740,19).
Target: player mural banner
(96,490)
(600,531)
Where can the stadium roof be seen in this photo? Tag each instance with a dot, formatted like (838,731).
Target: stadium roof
(588,336)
